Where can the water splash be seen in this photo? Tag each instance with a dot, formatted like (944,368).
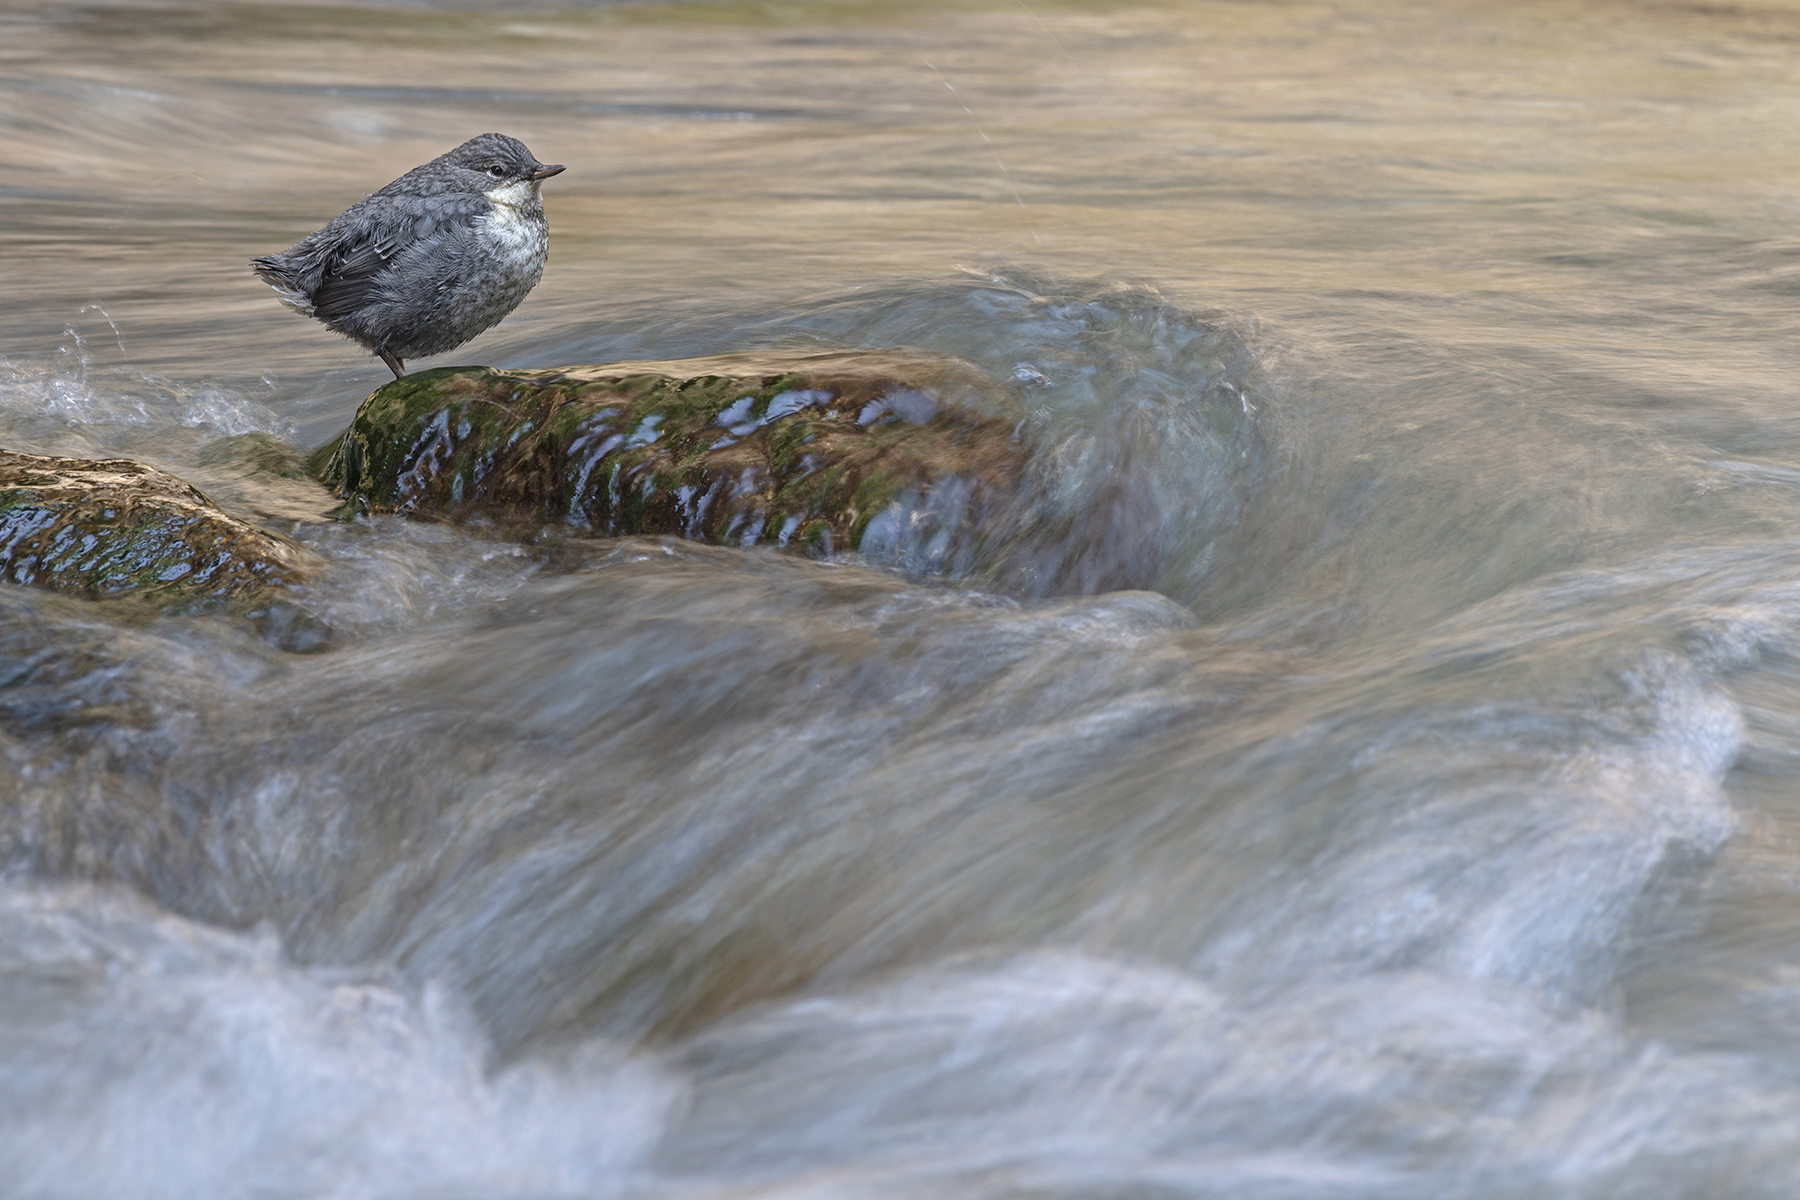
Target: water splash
(204,1065)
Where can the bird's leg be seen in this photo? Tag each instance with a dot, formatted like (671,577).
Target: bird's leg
(394,364)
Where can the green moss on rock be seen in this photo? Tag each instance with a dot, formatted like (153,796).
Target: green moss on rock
(887,453)
(260,453)
(113,527)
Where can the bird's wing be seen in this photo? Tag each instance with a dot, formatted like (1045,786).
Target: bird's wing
(354,263)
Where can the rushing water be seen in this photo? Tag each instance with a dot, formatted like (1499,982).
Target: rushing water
(1374,775)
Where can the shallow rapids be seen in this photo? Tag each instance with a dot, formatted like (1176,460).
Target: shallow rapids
(1364,764)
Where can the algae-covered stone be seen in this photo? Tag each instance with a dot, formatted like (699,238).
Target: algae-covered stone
(112,527)
(262,478)
(262,453)
(893,453)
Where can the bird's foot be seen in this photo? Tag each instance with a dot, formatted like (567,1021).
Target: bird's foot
(394,364)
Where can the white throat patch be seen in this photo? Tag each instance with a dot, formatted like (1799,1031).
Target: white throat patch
(517,194)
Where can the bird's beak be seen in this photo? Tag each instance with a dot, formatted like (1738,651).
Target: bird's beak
(544,172)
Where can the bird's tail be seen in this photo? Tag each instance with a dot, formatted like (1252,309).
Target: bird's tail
(274,270)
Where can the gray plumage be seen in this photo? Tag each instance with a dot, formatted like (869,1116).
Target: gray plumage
(432,259)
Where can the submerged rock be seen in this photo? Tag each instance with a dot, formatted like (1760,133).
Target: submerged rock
(112,527)
(892,454)
(263,478)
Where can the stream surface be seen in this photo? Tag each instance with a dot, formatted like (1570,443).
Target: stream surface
(1381,780)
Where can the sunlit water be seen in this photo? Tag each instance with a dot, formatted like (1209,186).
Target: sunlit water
(1369,765)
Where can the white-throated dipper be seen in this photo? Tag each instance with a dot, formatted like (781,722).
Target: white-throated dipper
(432,259)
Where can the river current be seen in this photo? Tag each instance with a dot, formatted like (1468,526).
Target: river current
(1377,775)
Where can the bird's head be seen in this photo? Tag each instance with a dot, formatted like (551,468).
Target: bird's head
(499,167)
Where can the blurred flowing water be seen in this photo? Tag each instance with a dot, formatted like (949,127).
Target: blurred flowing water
(1374,772)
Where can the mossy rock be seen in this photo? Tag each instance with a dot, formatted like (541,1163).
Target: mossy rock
(893,454)
(100,528)
(256,453)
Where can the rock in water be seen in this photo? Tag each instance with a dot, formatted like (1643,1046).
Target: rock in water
(898,456)
(110,527)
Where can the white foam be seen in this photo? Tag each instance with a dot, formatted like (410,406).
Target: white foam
(147,1056)
(1057,1070)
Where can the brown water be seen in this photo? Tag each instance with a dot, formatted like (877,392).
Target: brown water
(1374,776)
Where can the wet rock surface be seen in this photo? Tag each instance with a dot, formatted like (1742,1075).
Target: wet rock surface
(891,454)
(100,528)
(262,478)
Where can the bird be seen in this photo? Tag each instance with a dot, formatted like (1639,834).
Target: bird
(432,259)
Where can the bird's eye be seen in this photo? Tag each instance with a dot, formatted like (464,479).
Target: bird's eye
(497,170)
